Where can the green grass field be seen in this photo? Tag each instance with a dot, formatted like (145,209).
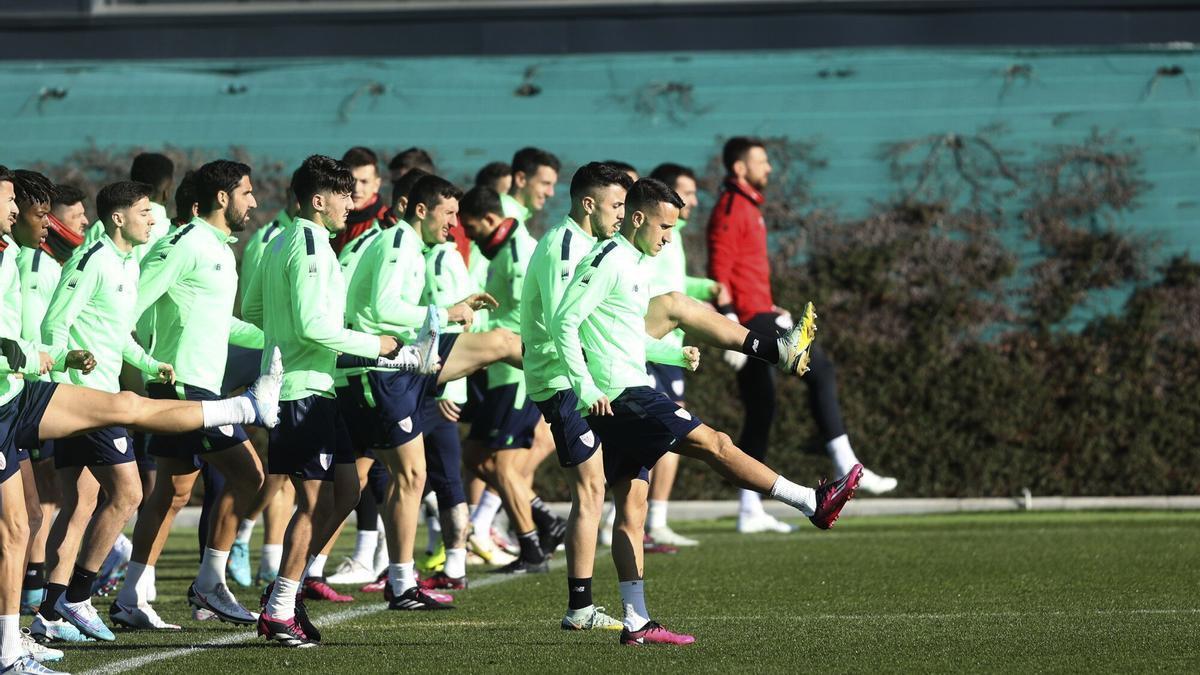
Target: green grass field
(1112,592)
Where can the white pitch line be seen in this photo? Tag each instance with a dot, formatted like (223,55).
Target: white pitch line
(326,621)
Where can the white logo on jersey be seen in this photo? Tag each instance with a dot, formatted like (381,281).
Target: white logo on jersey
(683,414)
(588,439)
(326,460)
(226,429)
(677,387)
(754,345)
(3,462)
(121,444)
(406,424)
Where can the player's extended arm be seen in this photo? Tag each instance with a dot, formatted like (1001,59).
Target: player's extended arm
(316,322)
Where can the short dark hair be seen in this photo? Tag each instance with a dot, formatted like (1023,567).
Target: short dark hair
(648,193)
(320,173)
(492,172)
(66,195)
(527,161)
(5,174)
(669,173)
(404,185)
(120,195)
(430,190)
(152,168)
(622,166)
(32,188)
(361,156)
(479,202)
(736,148)
(412,158)
(221,175)
(185,197)
(596,175)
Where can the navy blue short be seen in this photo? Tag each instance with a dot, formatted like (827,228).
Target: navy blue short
(668,380)
(310,440)
(199,442)
(504,423)
(19,422)
(574,440)
(141,452)
(443,456)
(104,447)
(46,451)
(242,367)
(360,420)
(396,398)
(644,426)
(476,388)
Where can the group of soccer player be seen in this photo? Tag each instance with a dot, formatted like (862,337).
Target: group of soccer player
(370,332)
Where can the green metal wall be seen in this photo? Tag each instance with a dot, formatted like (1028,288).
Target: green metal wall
(468,110)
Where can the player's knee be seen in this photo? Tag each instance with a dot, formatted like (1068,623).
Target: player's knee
(34,518)
(180,499)
(15,527)
(126,405)
(411,477)
(128,498)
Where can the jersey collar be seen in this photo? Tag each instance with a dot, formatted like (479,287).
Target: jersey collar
(745,190)
(569,223)
(112,246)
(622,241)
(205,225)
(513,208)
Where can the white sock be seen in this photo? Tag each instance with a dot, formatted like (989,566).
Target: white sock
(11,650)
(633,599)
(471,509)
(751,503)
(798,496)
(486,513)
(401,576)
(212,569)
(456,563)
(272,556)
(364,547)
(434,529)
(408,359)
(658,513)
(123,547)
(282,604)
(379,524)
(842,454)
(236,410)
(316,567)
(136,576)
(245,529)
(149,585)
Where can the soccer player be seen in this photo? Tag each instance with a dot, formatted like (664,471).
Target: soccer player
(68,222)
(669,274)
(599,330)
(384,297)
(188,281)
(157,171)
(369,208)
(32,412)
(297,295)
(258,241)
(503,430)
(737,257)
(39,275)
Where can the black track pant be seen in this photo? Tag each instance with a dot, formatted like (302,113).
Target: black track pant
(756,384)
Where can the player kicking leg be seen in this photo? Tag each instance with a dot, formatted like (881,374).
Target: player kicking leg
(605,307)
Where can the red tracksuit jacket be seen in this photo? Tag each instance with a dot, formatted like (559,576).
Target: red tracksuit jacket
(737,249)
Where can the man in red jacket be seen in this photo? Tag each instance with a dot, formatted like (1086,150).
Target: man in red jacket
(738,259)
(369,207)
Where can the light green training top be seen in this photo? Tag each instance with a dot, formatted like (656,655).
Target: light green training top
(603,314)
(506,281)
(252,253)
(93,308)
(298,297)
(447,282)
(189,283)
(40,274)
(12,326)
(385,293)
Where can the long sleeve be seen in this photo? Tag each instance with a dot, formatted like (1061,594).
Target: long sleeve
(252,301)
(314,286)
(587,290)
(658,351)
(392,311)
(163,266)
(134,355)
(19,356)
(245,334)
(699,288)
(72,295)
(724,233)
